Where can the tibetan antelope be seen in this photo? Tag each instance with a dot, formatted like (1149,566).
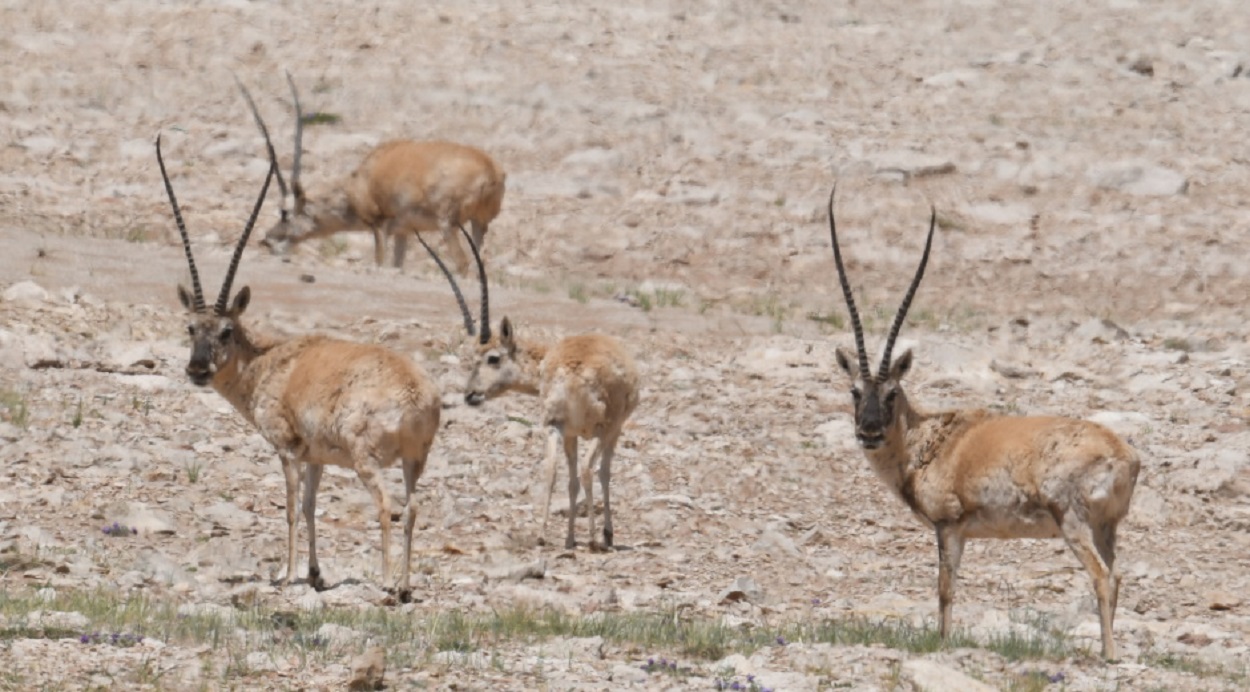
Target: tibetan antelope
(588,385)
(317,400)
(401,187)
(970,473)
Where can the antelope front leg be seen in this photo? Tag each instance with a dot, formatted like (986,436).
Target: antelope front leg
(479,234)
(401,245)
(570,456)
(451,237)
(312,481)
(950,550)
(291,471)
(379,244)
(554,443)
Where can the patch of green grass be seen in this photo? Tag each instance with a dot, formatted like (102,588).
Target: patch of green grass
(831,321)
(76,420)
(417,636)
(322,118)
(949,223)
(332,247)
(523,421)
(1176,343)
(194,468)
(669,297)
(578,292)
(13,408)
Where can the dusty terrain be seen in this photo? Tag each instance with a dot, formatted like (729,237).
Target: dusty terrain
(668,165)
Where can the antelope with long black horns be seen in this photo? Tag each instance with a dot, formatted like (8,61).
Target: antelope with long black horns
(588,386)
(317,400)
(402,186)
(970,473)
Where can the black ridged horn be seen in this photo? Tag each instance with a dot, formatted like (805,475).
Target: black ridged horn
(455,288)
(299,141)
(484,338)
(224,297)
(911,292)
(182,230)
(260,122)
(856,325)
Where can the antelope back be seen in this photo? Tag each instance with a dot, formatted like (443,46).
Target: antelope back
(435,179)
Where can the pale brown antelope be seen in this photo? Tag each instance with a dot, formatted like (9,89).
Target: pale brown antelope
(588,385)
(317,400)
(970,473)
(401,187)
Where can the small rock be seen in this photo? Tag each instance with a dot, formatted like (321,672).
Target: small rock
(25,292)
(929,676)
(368,670)
(626,674)
(1138,178)
(1223,600)
(743,589)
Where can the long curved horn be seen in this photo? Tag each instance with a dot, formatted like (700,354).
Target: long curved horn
(299,141)
(481,278)
(260,122)
(455,288)
(182,231)
(911,292)
(856,325)
(224,296)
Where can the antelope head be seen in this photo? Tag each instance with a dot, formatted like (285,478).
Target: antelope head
(216,337)
(497,369)
(879,399)
(297,219)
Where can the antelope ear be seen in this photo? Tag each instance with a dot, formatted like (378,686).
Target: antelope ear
(506,338)
(241,300)
(901,366)
(849,365)
(184,297)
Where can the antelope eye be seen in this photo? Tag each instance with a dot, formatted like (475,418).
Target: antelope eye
(226,333)
(855,394)
(889,397)
(191,329)
(493,359)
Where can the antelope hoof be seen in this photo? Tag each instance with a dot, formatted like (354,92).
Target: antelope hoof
(315,580)
(607,538)
(569,543)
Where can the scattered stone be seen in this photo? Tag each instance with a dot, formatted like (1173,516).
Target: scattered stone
(1138,178)
(929,676)
(742,589)
(25,292)
(368,669)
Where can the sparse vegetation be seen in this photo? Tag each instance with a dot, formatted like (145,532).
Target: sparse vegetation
(13,408)
(322,118)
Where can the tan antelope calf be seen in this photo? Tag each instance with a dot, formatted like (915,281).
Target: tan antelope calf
(317,400)
(970,473)
(401,187)
(588,385)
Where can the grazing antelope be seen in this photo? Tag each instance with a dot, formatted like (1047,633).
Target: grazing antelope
(317,400)
(588,385)
(401,186)
(970,473)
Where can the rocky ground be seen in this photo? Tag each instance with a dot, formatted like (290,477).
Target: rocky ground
(668,165)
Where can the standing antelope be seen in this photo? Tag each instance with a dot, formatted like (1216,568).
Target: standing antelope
(316,400)
(401,186)
(588,385)
(969,473)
